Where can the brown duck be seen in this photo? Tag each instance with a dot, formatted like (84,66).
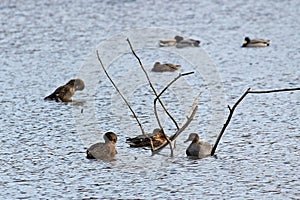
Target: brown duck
(64,93)
(157,138)
(104,151)
(167,67)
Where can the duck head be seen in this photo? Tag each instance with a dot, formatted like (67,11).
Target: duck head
(110,137)
(246,41)
(78,84)
(178,38)
(193,137)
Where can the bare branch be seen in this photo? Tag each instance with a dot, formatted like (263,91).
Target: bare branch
(155,100)
(153,89)
(231,110)
(271,91)
(185,124)
(132,111)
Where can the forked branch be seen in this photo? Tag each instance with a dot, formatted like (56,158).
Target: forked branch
(128,105)
(154,91)
(184,125)
(155,100)
(231,110)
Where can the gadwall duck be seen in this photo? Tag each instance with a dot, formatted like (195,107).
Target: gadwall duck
(255,42)
(181,42)
(167,67)
(198,149)
(157,138)
(103,151)
(64,93)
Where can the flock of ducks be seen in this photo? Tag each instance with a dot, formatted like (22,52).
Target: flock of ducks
(107,150)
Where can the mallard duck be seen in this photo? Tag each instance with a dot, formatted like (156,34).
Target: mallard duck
(197,148)
(167,67)
(157,138)
(64,93)
(103,151)
(181,42)
(255,42)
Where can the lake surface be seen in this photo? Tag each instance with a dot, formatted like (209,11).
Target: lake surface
(44,44)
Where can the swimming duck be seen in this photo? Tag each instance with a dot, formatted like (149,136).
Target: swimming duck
(198,149)
(181,42)
(167,42)
(64,93)
(167,67)
(157,137)
(255,42)
(103,151)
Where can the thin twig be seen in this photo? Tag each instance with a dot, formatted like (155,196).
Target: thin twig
(271,91)
(155,100)
(152,87)
(132,111)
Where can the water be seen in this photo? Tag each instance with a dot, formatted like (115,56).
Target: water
(43,45)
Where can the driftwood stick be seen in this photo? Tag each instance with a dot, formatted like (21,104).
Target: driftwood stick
(231,110)
(152,87)
(155,100)
(115,86)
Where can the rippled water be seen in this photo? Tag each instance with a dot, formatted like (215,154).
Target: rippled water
(44,44)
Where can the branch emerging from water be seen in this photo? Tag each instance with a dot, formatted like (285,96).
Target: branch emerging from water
(115,86)
(157,97)
(153,89)
(184,125)
(231,110)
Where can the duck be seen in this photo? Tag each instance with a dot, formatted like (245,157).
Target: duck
(255,42)
(104,151)
(65,92)
(197,148)
(167,42)
(167,67)
(181,42)
(157,138)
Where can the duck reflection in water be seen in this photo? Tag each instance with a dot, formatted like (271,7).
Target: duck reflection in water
(197,148)
(104,151)
(64,93)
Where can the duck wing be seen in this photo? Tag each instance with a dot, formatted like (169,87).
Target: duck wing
(255,41)
(205,149)
(193,150)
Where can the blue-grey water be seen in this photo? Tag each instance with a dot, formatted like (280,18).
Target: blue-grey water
(44,44)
